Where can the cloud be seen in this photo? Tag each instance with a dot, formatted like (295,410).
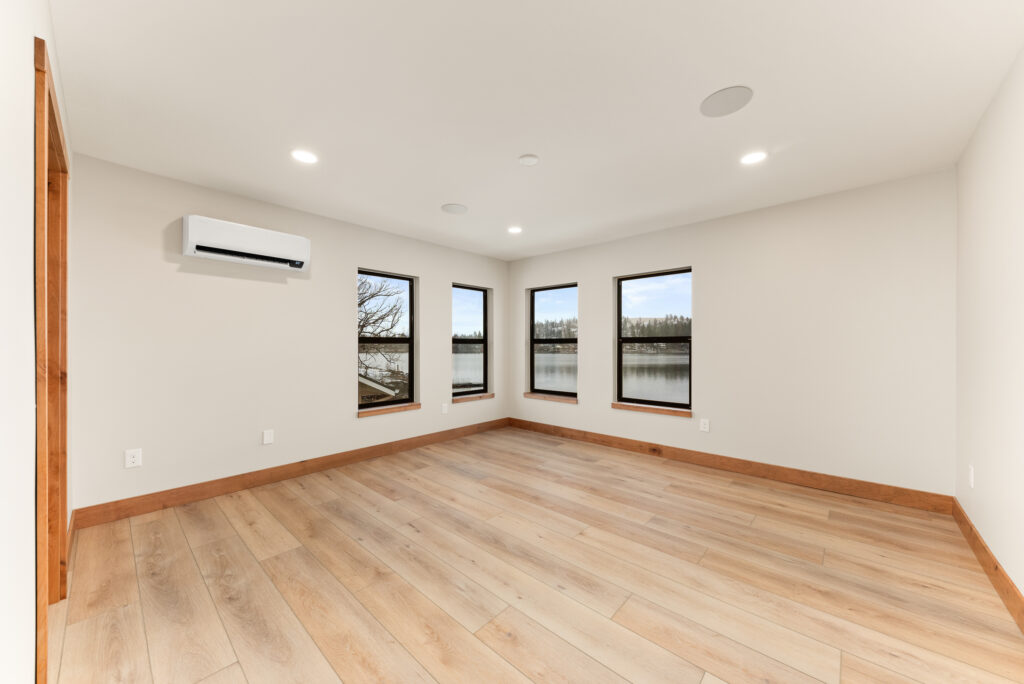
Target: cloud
(657,295)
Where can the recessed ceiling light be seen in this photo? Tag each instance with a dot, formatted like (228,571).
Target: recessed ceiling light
(529,160)
(726,101)
(457,209)
(753,158)
(304,156)
(515,230)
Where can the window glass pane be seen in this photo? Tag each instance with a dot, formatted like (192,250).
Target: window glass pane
(383,372)
(467,367)
(383,306)
(555,313)
(554,367)
(467,313)
(658,306)
(658,371)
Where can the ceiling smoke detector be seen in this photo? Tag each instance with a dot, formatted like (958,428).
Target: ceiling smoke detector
(529,160)
(457,209)
(726,101)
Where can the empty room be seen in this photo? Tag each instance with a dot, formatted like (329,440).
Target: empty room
(555,341)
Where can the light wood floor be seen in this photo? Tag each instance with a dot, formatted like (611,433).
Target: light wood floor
(511,556)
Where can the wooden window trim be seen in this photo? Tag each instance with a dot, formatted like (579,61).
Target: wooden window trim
(398,408)
(463,398)
(642,408)
(551,397)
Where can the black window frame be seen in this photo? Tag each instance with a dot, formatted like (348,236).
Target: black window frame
(688,339)
(474,341)
(534,340)
(410,340)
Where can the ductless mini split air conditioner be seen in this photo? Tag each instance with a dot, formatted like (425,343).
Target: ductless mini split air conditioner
(215,239)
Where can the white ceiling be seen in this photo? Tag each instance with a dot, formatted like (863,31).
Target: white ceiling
(411,104)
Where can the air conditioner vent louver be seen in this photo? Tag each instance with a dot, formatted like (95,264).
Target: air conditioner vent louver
(227,241)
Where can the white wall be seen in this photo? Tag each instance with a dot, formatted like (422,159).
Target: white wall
(990,334)
(20,22)
(823,333)
(191,358)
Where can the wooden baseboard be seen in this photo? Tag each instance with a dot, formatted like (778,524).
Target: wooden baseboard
(1004,586)
(147,503)
(939,503)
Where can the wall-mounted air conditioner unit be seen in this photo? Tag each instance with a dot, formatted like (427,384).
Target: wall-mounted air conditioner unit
(227,241)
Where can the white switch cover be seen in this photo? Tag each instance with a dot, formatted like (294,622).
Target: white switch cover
(132,458)
(970,475)
(705,425)
(268,436)
(444,407)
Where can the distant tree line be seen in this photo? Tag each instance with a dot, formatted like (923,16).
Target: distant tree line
(562,328)
(468,348)
(669,326)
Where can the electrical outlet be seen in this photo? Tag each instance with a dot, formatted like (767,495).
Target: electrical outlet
(705,425)
(268,436)
(970,475)
(132,458)
(444,407)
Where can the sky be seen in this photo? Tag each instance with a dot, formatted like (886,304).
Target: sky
(403,287)
(467,311)
(652,297)
(555,305)
(658,296)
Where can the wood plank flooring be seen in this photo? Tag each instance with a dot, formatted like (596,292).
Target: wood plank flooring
(510,556)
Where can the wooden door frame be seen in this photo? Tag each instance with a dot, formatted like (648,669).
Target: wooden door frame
(51,222)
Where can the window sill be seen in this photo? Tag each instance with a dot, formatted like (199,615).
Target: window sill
(366,413)
(471,397)
(644,408)
(551,397)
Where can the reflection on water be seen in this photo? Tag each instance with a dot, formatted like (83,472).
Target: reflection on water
(554,372)
(656,377)
(468,371)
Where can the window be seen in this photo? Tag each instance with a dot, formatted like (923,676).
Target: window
(554,325)
(385,323)
(654,339)
(469,340)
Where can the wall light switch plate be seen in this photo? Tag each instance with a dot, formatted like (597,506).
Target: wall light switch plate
(132,458)
(705,425)
(444,407)
(970,475)
(268,437)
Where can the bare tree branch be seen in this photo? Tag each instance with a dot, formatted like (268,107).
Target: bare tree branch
(380,310)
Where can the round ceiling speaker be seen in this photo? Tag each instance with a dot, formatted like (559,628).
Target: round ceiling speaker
(726,101)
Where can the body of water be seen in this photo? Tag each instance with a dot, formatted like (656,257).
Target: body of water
(467,372)
(555,372)
(656,377)
(467,369)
